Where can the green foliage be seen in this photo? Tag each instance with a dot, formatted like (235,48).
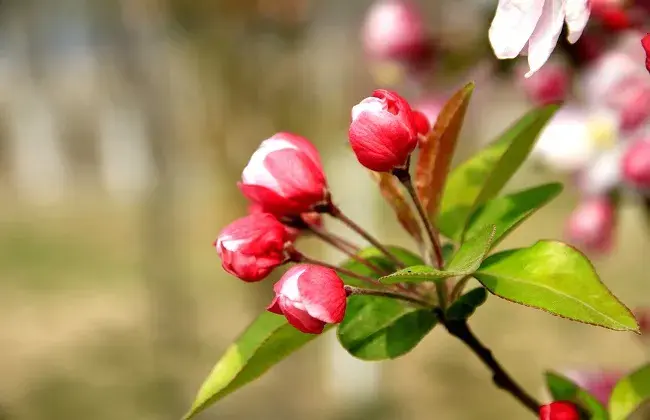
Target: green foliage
(466,305)
(629,393)
(468,258)
(378,259)
(509,211)
(268,340)
(378,328)
(483,176)
(557,278)
(563,389)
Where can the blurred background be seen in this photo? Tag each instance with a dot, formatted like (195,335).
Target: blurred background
(124,126)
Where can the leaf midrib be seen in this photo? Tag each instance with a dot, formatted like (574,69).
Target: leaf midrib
(542,286)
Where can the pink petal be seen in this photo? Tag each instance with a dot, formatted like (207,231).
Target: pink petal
(274,306)
(323,294)
(543,40)
(577,16)
(514,22)
(375,139)
(300,319)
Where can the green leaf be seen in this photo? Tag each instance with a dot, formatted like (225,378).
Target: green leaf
(378,328)
(467,260)
(629,393)
(377,258)
(265,342)
(508,211)
(556,278)
(483,176)
(466,305)
(563,389)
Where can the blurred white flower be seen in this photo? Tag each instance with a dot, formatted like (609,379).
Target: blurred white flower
(535,25)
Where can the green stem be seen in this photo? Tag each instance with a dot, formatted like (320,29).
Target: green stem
(351,290)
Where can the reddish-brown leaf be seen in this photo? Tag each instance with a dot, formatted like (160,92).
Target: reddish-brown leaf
(391,191)
(437,150)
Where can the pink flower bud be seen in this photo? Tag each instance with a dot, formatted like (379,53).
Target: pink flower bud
(251,247)
(395,30)
(598,383)
(559,410)
(636,164)
(285,176)
(591,225)
(383,132)
(548,85)
(645,43)
(642,316)
(310,296)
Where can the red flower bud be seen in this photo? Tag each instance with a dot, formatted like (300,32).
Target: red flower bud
(395,30)
(251,247)
(645,43)
(285,176)
(591,225)
(636,164)
(383,132)
(559,410)
(548,85)
(310,296)
(421,123)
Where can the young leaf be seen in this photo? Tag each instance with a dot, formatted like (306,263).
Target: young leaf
(378,328)
(481,177)
(467,260)
(508,211)
(378,259)
(556,278)
(437,150)
(465,306)
(393,194)
(267,341)
(563,389)
(629,393)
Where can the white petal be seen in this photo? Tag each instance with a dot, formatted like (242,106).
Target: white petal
(371,104)
(514,22)
(577,15)
(543,40)
(290,285)
(255,172)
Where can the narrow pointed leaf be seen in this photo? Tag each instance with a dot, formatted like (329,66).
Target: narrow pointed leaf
(267,341)
(483,176)
(556,278)
(507,212)
(437,150)
(394,195)
(563,389)
(378,328)
(467,260)
(466,305)
(630,393)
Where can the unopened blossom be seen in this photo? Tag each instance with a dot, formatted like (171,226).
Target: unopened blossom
(310,297)
(383,132)
(534,26)
(294,224)
(395,30)
(252,246)
(645,43)
(285,176)
(591,226)
(599,383)
(559,410)
(636,164)
(550,84)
